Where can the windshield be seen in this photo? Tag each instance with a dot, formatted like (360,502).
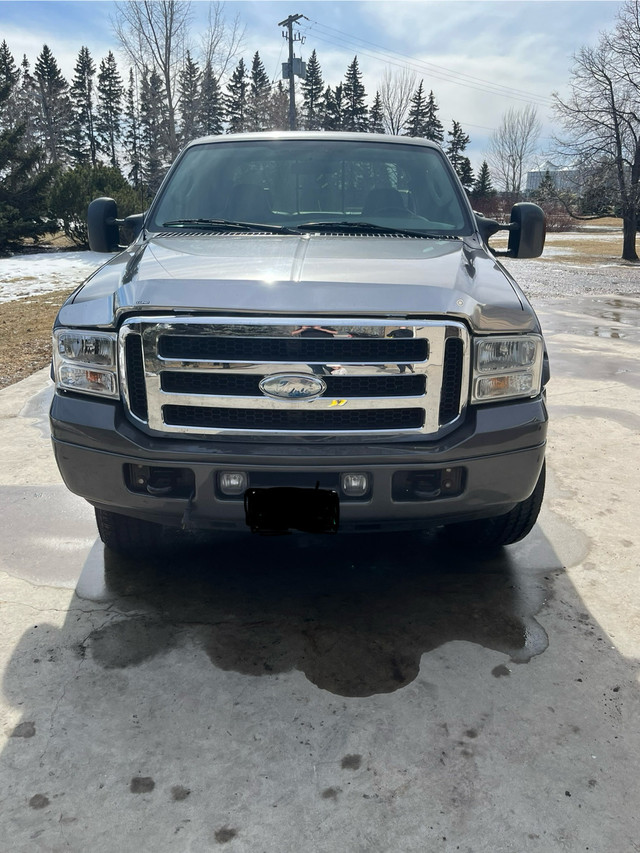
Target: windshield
(297,182)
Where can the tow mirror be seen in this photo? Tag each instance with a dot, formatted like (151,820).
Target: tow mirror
(104,225)
(526,229)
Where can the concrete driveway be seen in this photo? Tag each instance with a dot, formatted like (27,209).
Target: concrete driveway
(359,694)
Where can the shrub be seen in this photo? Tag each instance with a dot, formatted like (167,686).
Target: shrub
(74,189)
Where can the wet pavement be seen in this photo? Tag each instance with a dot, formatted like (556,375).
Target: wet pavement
(378,693)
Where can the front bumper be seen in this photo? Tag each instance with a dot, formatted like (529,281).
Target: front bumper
(500,449)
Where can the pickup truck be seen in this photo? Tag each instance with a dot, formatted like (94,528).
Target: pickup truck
(307,332)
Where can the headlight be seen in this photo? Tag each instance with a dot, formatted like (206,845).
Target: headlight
(507,367)
(86,361)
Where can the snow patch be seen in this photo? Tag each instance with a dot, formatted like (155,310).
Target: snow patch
(27,275)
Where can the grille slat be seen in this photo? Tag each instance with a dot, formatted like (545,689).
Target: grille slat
(246,384)
(326,421)
(451,380)
(135,377)
(294,350)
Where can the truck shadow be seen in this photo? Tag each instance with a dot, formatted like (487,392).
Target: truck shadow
(354,614)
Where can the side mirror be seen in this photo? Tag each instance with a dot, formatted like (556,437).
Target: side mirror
(102,222)
(104,225)
(526,231)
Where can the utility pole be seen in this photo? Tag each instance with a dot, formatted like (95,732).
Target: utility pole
(291,37)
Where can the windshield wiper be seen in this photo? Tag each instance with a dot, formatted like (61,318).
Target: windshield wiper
(372,228)
(226,225)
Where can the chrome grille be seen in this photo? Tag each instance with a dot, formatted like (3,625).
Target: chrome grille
(201,375)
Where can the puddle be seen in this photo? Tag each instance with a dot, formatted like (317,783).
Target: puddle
(354,615)
(612,317)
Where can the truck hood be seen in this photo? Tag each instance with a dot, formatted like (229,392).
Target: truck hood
(330,275)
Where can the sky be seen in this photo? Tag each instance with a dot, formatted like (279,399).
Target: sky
(479,57)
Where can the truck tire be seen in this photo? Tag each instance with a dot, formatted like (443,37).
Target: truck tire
(492,533)
(126,535)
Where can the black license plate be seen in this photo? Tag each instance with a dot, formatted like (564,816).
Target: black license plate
(282,509)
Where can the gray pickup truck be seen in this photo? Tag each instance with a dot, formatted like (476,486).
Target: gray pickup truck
(307,332)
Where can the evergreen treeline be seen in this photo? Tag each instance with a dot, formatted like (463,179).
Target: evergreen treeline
(70,132)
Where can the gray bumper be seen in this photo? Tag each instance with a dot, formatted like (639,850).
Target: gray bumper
(501,449)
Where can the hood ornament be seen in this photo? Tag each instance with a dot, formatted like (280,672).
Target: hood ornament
(293,386)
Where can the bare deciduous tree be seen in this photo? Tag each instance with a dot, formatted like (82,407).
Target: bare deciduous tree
(601,116)
(222,40)
(512,146)
(154,33)
(396,90)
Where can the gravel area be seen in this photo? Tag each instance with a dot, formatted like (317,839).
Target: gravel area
(546,279)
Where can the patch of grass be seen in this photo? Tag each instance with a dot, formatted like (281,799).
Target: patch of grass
(25,334)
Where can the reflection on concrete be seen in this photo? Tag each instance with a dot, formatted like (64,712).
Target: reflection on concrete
(355,615)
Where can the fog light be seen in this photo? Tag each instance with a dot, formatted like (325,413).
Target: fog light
(233,482)
(354,485)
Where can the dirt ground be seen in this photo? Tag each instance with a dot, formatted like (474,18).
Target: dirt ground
(25,335)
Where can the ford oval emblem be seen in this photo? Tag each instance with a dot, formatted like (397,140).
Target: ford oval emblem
(293,386)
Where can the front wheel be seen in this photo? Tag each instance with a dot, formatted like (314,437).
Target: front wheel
(127,535)
(502,530)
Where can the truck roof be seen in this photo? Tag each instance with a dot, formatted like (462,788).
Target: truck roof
(316,135)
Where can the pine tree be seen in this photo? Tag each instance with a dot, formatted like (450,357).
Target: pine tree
(189,98)
(332,108)
(279,108)
(355,112)
(9,78)
(236,99)
(153,129)
(55,108)
(376,116)
(83,135)
(433,126)
(23,189)
(109,117)
(211,109)
(546,191)
(458,141)
(312,88)
(416,124)
(132,133)
(482,187)
(27,107)
(258,97)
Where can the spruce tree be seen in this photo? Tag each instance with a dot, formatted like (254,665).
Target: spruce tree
(376,116)
(109,109)
(355,111)
(332,108)
(434,130)
(9,78)
(27,108)
(416,124)
(211,108)
(23,188)
(279,107)
(312,88)
(83,133)
(258,97)
(55,108)
(236,99)
(189,98)
(483,187)
(458,141)
(153,129)
(132,132)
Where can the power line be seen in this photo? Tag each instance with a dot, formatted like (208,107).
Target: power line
(338,38)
